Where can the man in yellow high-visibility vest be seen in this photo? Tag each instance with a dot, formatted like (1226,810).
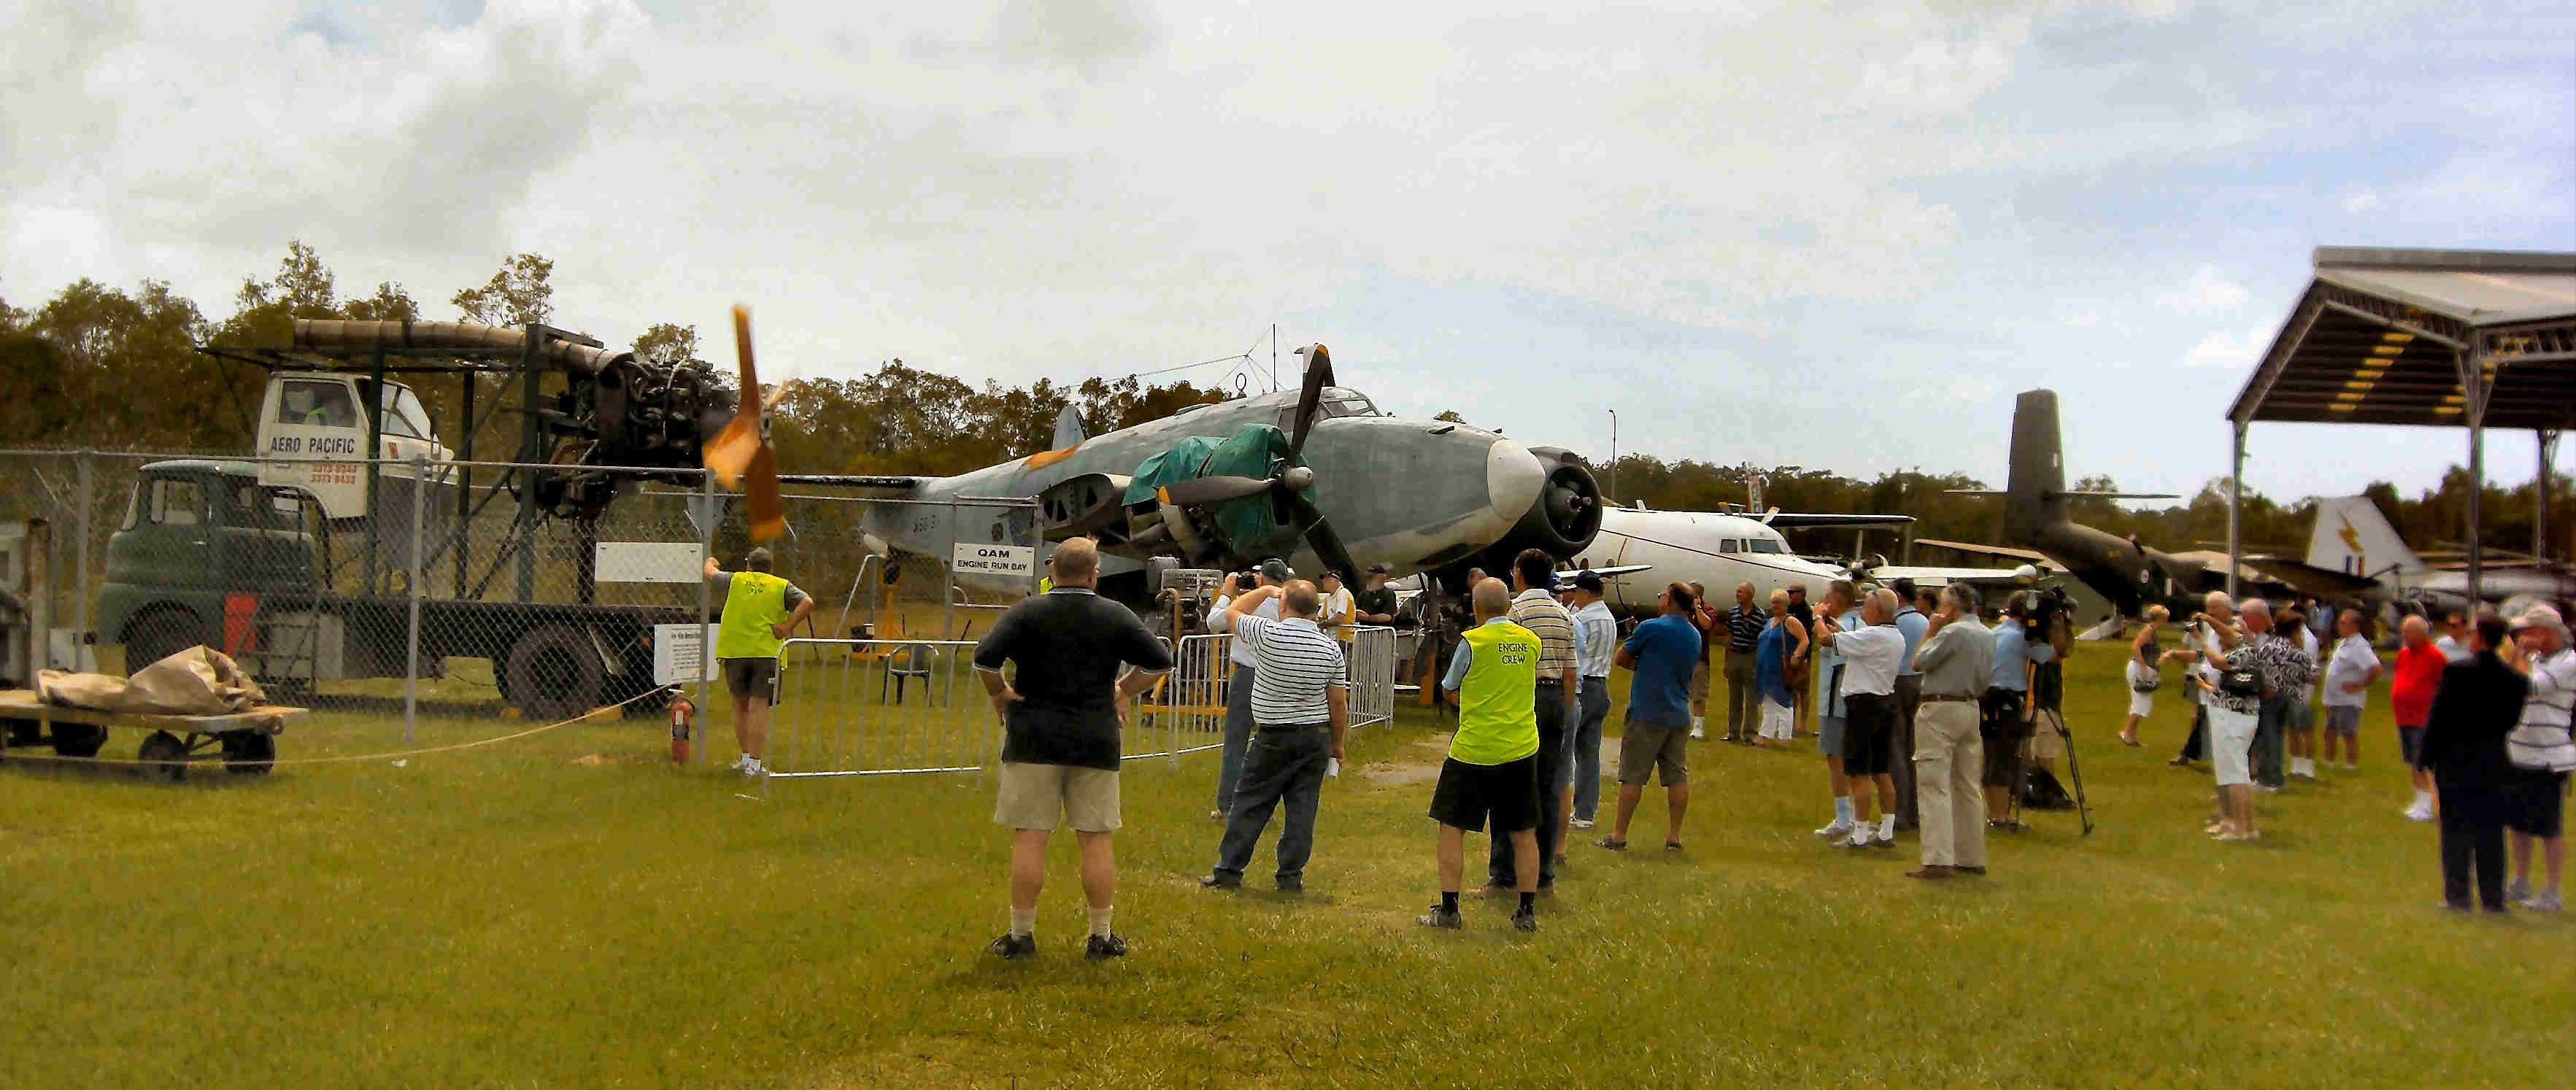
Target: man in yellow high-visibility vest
(760,610)
(1491,776)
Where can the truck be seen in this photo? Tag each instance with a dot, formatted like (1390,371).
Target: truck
(296,560)
(208,553)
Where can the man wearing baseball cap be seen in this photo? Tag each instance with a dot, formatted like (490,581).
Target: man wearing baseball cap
(1238,687)
(2542,755)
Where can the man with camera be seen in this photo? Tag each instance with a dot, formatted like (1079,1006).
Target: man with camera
(1868,692)
(2021,644)
(1238,688)
(1301,708)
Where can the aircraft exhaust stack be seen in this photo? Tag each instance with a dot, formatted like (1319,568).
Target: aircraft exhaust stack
(2034,491)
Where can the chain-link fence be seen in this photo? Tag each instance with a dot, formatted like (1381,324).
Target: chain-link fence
(392,591)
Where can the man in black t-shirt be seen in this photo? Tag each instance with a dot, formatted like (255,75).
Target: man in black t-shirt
(1376,605)
(1060,720)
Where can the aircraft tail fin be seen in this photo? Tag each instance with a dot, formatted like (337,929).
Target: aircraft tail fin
(2353,537)
(2034,490)
(1069,431)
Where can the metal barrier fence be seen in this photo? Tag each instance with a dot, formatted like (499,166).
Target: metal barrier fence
(895,707)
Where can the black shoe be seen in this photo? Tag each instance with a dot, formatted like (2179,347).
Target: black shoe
(1292,885)
(1972,870)
(1442,917)
(1613,845)
(1014,947)
(1219,881)
(1525,920)
(1103,947)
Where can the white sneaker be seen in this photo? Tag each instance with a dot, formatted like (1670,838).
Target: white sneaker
(1699,732)
(1860,838)
(751,767)
(2419,812)
(2546,902)
(1579,823)
(2350,766)
(1838,828)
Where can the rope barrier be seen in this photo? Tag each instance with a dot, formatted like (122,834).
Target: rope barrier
(7,755)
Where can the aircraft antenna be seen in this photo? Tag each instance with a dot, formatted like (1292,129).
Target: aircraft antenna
(1274,357)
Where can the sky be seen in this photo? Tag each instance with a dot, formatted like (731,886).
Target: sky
(1839,236)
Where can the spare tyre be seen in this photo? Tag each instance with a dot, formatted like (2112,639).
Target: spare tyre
(554,673)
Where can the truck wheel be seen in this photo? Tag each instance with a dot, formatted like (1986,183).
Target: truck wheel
(158,636)
(164,756)
(248,752)
(554,673)
(78,739)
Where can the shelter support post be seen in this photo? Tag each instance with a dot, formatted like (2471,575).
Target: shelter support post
(2473,393)
(82,529)
(2235,500)
(531,450)
(2540,525)
(412,589)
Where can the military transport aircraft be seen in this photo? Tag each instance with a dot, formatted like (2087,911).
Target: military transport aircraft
(1321,477)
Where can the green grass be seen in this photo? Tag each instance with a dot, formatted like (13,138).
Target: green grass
(521,916)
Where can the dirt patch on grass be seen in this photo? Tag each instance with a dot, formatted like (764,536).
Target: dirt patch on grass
(1398,775)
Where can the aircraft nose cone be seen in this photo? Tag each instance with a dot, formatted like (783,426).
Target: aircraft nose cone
(1513,477)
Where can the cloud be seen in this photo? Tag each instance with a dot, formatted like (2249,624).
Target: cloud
(2208,292)
(2358,203)
(2231,349)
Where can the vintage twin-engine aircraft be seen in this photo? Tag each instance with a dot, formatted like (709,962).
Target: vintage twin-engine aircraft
(1320,477)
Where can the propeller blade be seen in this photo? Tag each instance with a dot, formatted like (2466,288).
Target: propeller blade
(1202,491)
(740,455)
(1319,374)
(768,513)
(1319,534)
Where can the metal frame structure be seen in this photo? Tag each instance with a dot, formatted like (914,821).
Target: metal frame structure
(2437,338)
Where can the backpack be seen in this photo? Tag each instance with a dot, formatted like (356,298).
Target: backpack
(2041,791)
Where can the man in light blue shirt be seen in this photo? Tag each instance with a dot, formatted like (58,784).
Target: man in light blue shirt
(1596,638)
(2006,726)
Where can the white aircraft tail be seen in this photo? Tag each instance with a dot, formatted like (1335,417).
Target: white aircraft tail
(2352,537)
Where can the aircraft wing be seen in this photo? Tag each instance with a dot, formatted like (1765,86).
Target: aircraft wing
(867,485)
(2310,579)
(1989,550)
(1624,569)
(1980,576)
(1779,521)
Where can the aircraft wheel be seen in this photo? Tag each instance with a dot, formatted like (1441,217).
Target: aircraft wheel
(165,756)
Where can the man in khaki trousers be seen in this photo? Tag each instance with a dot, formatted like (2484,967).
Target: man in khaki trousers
(1956,655)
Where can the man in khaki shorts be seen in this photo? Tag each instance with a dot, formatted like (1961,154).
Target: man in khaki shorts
(1060,720)
(1654,738)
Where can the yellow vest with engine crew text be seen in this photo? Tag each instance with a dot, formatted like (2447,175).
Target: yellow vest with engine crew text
(1498,701)
(754,602)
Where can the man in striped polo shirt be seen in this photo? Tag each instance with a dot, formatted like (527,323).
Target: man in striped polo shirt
(1300,711)
(2542,754)
(1492,771)
(1743,625)
(1535,608)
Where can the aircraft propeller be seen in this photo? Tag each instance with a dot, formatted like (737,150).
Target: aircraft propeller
(740,456)
(1289,485)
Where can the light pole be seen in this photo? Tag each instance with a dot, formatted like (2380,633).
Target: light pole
(1614,457)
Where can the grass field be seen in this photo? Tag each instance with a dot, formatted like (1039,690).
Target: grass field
(571,909)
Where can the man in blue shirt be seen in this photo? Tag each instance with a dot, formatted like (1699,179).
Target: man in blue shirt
(1911,622)
(1656,735)
(2007,721)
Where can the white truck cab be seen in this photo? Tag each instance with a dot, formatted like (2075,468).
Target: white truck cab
(316,424)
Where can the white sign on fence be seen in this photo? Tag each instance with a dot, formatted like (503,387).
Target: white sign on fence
(971,559)
(679,653)
(650,561)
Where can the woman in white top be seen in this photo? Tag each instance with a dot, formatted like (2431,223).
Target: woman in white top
(2145,655)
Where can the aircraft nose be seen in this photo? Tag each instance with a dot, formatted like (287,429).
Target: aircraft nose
(1513,477)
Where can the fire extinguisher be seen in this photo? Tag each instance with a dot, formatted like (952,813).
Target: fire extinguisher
(681,712)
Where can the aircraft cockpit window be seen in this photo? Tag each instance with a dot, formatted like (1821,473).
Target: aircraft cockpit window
(1767,545)
(1730,545)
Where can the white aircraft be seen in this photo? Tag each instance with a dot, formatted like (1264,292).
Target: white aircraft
(2352,537)
(1720,549)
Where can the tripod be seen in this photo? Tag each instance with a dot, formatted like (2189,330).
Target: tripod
(2074,774)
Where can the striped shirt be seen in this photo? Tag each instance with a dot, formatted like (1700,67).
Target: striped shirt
(1293,663)
(1241,652)
(2541,740)
(1744,629)
(1547,619)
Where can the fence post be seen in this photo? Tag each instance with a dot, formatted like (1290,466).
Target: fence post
(706,631)
(411,655)
(80,575)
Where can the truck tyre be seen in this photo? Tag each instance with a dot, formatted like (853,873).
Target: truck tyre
(158,636)
(554,673)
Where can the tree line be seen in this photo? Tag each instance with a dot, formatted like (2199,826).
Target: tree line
(113,369)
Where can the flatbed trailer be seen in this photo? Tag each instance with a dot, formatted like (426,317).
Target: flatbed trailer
(245,741)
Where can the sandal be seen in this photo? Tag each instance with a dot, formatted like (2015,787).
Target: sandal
(1672,845)
(1613,845)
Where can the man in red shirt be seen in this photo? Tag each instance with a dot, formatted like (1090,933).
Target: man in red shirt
(2419,672)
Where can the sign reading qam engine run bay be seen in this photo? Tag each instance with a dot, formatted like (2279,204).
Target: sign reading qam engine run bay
(969,559)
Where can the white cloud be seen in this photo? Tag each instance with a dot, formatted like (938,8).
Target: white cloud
(2358,203)
(2208,292)
(2231,349)
(2082,319)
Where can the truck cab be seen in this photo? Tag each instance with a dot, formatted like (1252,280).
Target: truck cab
(313,428)
(197,532)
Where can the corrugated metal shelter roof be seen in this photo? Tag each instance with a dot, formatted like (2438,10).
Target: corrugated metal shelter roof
(2392,336)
